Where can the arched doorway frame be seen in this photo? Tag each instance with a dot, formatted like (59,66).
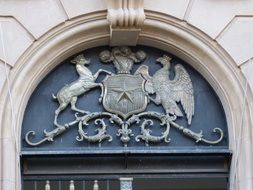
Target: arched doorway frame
(160,31)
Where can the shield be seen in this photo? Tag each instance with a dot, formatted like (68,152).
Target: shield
(124,94)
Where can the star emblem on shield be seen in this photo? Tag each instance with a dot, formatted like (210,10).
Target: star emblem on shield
(124,94)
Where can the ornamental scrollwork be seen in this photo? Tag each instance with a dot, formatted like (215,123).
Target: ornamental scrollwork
(124,97)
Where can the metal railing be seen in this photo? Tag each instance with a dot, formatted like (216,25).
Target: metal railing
(121,184)
(64,185)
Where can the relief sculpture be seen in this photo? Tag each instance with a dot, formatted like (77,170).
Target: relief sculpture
(125,97)
(86,81)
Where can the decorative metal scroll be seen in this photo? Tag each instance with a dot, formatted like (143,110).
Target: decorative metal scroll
(125,97)
(126,183)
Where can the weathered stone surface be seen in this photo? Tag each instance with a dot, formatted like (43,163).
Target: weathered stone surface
(212,16)
(245,170)
(245,184)
(76,8)
(10,185)
(37,16)
(247,70)
(237,39)
(15,40)
(2,74)
(176,8)
(8,179)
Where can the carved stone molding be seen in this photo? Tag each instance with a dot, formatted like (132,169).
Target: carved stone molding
(126,18)
(179,39)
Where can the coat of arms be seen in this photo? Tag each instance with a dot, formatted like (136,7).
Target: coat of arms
(125,96)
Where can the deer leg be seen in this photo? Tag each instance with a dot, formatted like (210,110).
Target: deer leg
(74,108)
(59,109)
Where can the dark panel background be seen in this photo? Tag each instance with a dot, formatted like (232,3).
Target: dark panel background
(39,114)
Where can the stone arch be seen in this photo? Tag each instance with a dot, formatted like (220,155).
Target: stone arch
(92,30)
